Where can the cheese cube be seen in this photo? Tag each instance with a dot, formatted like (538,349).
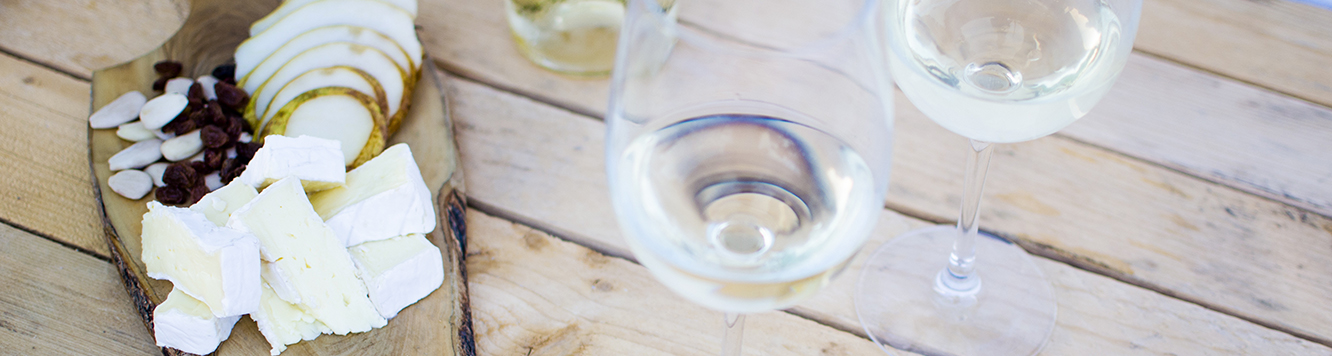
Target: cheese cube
(398,271)
(308,257)
(186,324)
(216,265)
(383,198)
(283,323)
(219,204)
(317,162)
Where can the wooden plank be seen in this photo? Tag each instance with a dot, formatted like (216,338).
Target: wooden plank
(524,155)
(1283,45)
(1228,132)
(1155,111)
(594,304)
(79,36)
(57,301)
(44,177)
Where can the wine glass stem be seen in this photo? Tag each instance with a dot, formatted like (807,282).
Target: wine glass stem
(959,278)
(733,334)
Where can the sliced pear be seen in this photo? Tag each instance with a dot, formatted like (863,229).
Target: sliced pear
(291,5)
(335,113)
(375,15)
(391,78)
(315,37)
(338,76)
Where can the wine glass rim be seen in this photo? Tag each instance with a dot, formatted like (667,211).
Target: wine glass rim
(863,17)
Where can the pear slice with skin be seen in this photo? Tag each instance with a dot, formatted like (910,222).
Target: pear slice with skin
(291,5)
(315,37)
(391,78)
(337,76)
(335,113)
(375,15)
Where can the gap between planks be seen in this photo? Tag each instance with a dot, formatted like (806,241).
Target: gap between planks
(48,66)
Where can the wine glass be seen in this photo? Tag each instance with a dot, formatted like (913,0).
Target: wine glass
(994,71)
(748,146)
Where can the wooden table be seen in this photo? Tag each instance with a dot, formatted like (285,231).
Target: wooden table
(1190,213)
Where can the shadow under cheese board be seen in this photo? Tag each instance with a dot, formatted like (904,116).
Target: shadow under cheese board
(439,324)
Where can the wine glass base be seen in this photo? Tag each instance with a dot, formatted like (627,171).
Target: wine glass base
(1012,314)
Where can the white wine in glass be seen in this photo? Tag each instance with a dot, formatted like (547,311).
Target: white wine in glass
(994,71)
(748,146)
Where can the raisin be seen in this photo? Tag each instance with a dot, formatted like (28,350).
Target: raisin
(225,72)
(230,96)
(215,114)
(201,168)
(245,152)
(198,192)
(181,175)
(235,128)
(196,94)
(214,158)
(182,124)
(168,68)
(231,169)
(160,84)
(214,137)
(170,195)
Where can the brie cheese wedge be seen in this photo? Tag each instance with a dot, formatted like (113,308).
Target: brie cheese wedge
(184,323)
(307,257)
(398,271)
(218,205)
(218,266)
(317,162)
(383,198)
(283,323)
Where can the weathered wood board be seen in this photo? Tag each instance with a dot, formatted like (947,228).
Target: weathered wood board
(438,324)
(543,167)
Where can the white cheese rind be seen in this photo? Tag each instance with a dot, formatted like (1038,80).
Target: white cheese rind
(317,162)
(184,323)
(398,271)
(218,205)
(308,257)
(216,265)
(384,198)
(283,323)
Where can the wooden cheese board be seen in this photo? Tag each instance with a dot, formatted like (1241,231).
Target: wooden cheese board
(440,324)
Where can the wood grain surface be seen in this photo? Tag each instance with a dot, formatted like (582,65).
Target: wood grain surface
(80,36)
(57,301)
(539,161)
(1137,219)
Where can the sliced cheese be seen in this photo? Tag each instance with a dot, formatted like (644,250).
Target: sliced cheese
(216,265)
(284,323)
(383,198)
(184,323)
(308,257)
(398,271)
(218,205)
(317,162)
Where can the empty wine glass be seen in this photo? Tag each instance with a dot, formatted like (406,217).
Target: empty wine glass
(994,71)
(748,146)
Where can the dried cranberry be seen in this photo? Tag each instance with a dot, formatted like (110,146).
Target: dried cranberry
(214,158)
(168,68)
(181,175)
(230,96)
(170,195)
(160,84)
(225,72)
(214,137)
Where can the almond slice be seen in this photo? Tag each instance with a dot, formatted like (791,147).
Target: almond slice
(161,110)
(123,109)
(135,132)
(136,156)
(207,82)
(179,86)
(130,183)
(183,146)
(156,170)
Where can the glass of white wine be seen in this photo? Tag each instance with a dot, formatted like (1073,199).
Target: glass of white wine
(748,146)
(994,71)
